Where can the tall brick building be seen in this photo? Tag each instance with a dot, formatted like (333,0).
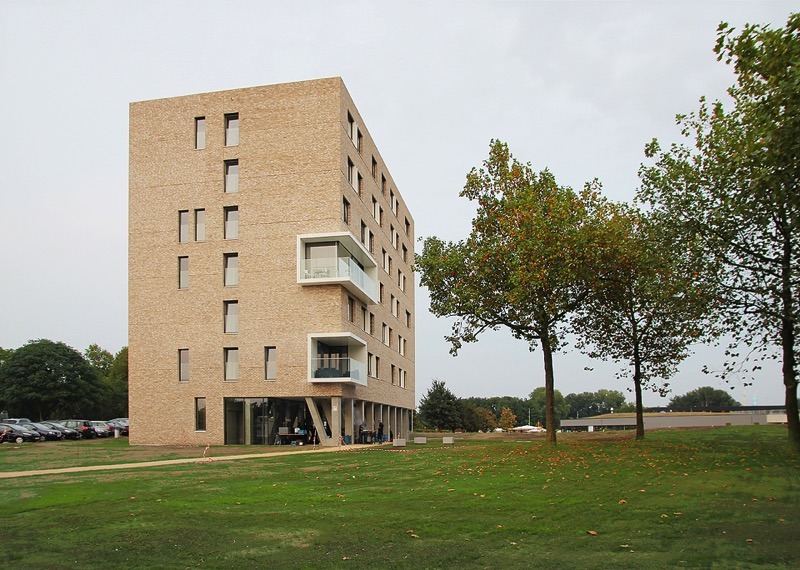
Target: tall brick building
(270,284)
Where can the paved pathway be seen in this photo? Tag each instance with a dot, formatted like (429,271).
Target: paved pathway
(116,466)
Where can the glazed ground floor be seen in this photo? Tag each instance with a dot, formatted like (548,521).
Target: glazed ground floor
(334,420)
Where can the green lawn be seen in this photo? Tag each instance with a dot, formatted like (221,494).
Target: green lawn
(723,498)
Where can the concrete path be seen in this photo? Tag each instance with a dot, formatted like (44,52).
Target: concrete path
(117,466)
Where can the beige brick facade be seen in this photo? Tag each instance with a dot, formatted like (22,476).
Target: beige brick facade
(298,147)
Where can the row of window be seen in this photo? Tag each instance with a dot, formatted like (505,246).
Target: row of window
(230,357)
(230,270)
(230,215)
(397,377)
(231,122)
(368,324)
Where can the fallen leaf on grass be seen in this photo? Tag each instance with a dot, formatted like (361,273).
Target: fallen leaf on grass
(591,532)
(622,501)
(409,532)
(749,540)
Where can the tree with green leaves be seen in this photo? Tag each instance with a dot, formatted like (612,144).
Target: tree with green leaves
(650,308)
(588,404)
(703,398)
(495,404)
(46,379)
(117,383)
(531,259)
(736,187)
(538,405)
(439,408)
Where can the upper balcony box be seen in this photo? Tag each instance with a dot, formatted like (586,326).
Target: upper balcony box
(337,258)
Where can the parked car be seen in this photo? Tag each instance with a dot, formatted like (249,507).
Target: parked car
(102,429)
(18,421)
(85,427)
(68,433)
(46,432)
(17,434)
(118,425)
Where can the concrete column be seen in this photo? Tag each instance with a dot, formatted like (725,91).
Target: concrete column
(349,420)
(336,418)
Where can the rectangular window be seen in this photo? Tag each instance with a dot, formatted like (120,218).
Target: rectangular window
(374,167)
(345,211)
(385,333)
(374,208)
(199,133)
(231,364)
(270,363)
(364,318)
(402,378)
(372,324)
(200,225)
(401,280)
(352,173)
(394,236)
(363,233)
(359,140)
(380,294)
(231,312)
(383,185)
(183,365)
(380,216)
(408,319)
(395,305)
(231,176)
(385,259)
(360,184)
(370,357)
(231,267)
(183,273)
(408,227)
(401,345)
(404,251)
(232,129)
(371,237)
(392,371)
(393,202)
(183,226)
(377,368)
(351,127)
(231,222)
(200,414)
(351,309)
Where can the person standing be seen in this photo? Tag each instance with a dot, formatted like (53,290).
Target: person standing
(379,437)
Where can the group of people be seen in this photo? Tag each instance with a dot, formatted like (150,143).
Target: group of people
(364,435)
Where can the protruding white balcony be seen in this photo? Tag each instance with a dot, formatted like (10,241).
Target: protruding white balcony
(337,258)
(337,357)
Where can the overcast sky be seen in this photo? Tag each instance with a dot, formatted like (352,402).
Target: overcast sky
(576,87)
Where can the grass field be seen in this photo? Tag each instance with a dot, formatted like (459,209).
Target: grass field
(726,498)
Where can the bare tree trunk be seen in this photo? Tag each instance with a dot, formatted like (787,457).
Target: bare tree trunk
(549,389)
(787,340)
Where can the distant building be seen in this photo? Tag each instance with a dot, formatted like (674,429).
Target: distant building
(270,283)
(751,415)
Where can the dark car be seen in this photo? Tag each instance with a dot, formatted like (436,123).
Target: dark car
(46,432)
(17,421)
(18,434)
(68,433)
(118,425)
(102,429)
(85,427)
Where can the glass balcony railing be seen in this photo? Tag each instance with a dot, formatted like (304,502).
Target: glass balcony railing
(340,268)
(337,368)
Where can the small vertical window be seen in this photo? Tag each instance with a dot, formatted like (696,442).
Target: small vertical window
(364,318)
(372,324)
(371,237)
(231,356)
(370,357)
(380,216)
(360,184)
(183,273)
(351,127)
(385,333)
(232,222)
(231,268)
(231,317)
(232,129)
(351,309)
(231,176)
(395,306)
(183,226)
(270,363)
(383,185)
(200,414)
(359,140)
(375,208)
(352,173)
(374,167)
(392,373)
(199,225)
(404,251)
(199,133)
(377,369)
(408,319)
(345,211)
(401,345)
(401,280)
(381,292)
(183,365)
(363,233)
(408,227)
